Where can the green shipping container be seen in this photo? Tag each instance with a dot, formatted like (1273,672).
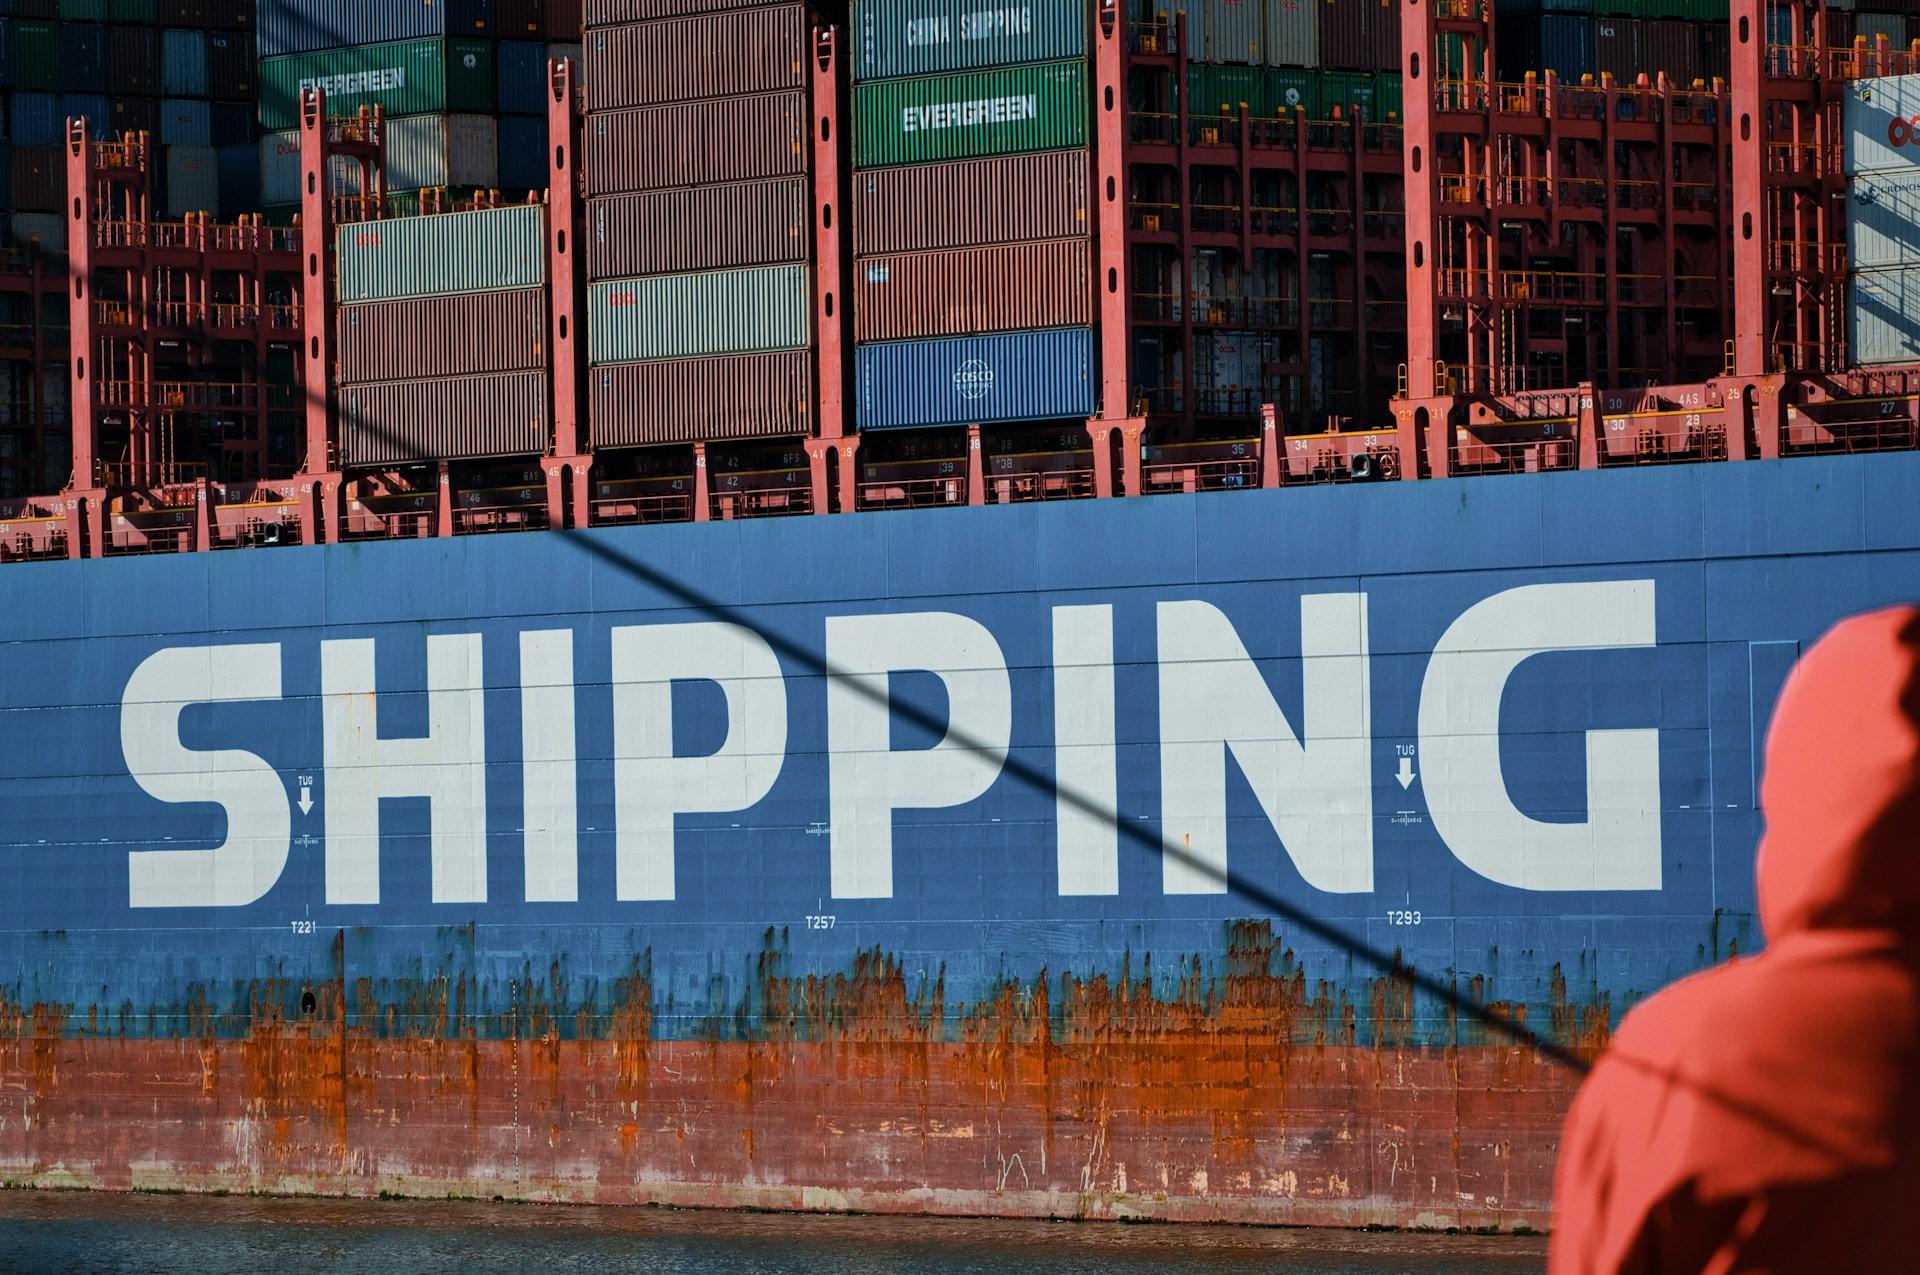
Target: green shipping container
(971,116)
(83,10)
(1218,90)
(1387,95)
(893,38)
(136,12)
(408,77)
(1340,92)
(35,54)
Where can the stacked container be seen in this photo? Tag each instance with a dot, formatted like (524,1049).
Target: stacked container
(448,73)
(443,337)
(973,274)
(699,221)
(1883,222)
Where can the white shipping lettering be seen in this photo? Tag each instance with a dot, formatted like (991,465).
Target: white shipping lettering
(984,24)
(985,110)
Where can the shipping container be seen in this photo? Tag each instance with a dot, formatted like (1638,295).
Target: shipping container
(45,230)
(452,335)
(304,26)
(761,223)
(480,251)
(233,124)
(1033,108)
(974,291)
(1673,49)
(1559,42)
(1883,219)
(1876,118)
(681,316)
(971,203)
(448,418)
(6,172)
(35,56)
(186,122)
(893,38)
(83,56)
(1883,320)
(1383,36)
(1293,31)
(136,115)
(601,13)
(1236,29)
(723,140)
(39,178)
(731,396)
(760,50)
(183,63)
(1345,38)
(232,65)
(133,61)
(1875,26)
(81,10)
(95,108)
(193,181)
(976,380)
(140,12)
(239,168)
(523,152)
(1619,48)
(425,152)
(523,77)
(520,19)
(6,44)
(38,119)
(415,77)
(280,171)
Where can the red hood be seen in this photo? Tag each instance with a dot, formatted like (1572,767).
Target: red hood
(1842,785)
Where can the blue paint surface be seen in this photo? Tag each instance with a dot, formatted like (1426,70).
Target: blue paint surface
(976,897)
(975,380)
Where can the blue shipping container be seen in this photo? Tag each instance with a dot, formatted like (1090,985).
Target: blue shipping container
(6,176)
(183,63)
(1566,45)
(974,380)
(523,152)
(302,26)
(37,120)
(185,122)
(239,178)
(95,108)
(522,68)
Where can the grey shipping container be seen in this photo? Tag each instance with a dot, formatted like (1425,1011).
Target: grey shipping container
(446,418)
(1293,32)
(701,400)
(693,228)
(302,26)
(759,50)
(1883,223)
(930,37)
(46,230)
(480,251)
(1878,120)
(193,181)
(971,203)
(1883,317)
(429,151)
(725,139)
(1236,29)
(183,63)
(459,335)
(692,315)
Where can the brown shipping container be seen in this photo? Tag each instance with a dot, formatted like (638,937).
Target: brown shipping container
(696,143)
(1672,47)
(39,178)
(1619,48)
(762,223)
(1343,34)
(1383,36)
(444,336)
(701,400)
(971,203)
(521,19)
(653,63)
(133,60)
(972,291)
(600,13)
(452,418)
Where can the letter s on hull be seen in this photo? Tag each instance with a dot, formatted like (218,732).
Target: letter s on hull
(1618,847)
(241,869)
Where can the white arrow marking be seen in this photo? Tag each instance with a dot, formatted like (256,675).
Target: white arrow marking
(306,799)
(1406,772)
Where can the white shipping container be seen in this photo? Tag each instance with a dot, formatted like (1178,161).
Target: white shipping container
(280,171)
(425,151)
(1883,317)
(1882,123)
(193,180)
(1293,33)
(1235,30)
(1883,221)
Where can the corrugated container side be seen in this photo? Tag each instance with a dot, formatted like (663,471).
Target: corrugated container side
(518,19)
(38,120)
(762,50)
(39,178)
(183,63)
(49,229)
(723,140)
(97,110)
(426,151)
(978,380)
(1883,321)
(240,177)
(301,26)
(1566,46)
(193,181)
(448,418)
(1344,38)
(893,38)
(971,203)
(35,60)
(233,124)
(1883,221)
(1383,36)
(415,77)
(980,113)
(136,115)
(6,57)
(523,152)
(6,171)
(186,122)
(133,60)
(146,12)
(1619,48)
(1673,48)
(1293,32)
(233,68)
(971,291)
(681,316)
(523,77)
(693,228)
(1874,25)
(461,335)
(600,13)
(1872,116)
(83,56)
(1235,29)
(701,400)
(484,250)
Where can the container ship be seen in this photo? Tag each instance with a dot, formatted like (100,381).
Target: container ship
(1127,611)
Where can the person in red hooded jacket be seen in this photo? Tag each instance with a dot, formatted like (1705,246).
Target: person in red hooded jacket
(1765,1115)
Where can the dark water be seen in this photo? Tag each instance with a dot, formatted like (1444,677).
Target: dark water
(177,1235)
